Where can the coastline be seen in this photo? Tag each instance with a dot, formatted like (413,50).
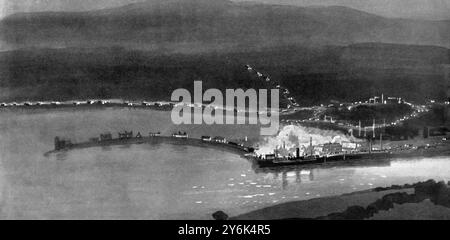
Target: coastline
(395,202)
(87,104)
(317,207)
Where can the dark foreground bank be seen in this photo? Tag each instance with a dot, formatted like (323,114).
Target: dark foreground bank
(422,200)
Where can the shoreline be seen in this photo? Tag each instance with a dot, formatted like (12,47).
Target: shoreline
(157,106)
(377,203)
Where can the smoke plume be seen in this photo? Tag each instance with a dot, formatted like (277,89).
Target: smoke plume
(297,136)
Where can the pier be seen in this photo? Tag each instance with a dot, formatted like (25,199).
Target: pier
(127,138)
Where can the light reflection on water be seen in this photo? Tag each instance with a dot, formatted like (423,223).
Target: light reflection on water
(161,181)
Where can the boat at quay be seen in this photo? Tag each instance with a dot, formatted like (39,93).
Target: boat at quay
(271,161)
(334,152)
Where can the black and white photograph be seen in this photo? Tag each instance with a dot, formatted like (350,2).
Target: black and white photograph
(225,110)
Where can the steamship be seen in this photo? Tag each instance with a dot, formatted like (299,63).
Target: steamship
(331,152)
(271,160)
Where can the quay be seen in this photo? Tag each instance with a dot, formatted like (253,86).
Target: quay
(313,155)
(336,152)
(128,138)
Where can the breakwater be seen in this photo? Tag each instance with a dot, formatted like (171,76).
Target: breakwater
(218,142)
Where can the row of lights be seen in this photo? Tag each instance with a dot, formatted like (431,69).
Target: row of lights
(77,103)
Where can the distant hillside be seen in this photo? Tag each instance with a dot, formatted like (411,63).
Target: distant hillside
(193,26)
(314,75)
(391,55)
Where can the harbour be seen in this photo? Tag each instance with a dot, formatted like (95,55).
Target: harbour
(168,179)
(312,155)
(225,110)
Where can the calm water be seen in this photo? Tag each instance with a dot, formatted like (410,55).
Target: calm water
(159,181)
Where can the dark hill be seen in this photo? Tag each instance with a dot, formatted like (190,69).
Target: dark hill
(217,25)
(314,75)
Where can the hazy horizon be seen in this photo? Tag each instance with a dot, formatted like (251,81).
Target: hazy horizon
(416,9)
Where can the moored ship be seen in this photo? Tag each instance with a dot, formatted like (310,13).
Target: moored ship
(330,152)
(272,161)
